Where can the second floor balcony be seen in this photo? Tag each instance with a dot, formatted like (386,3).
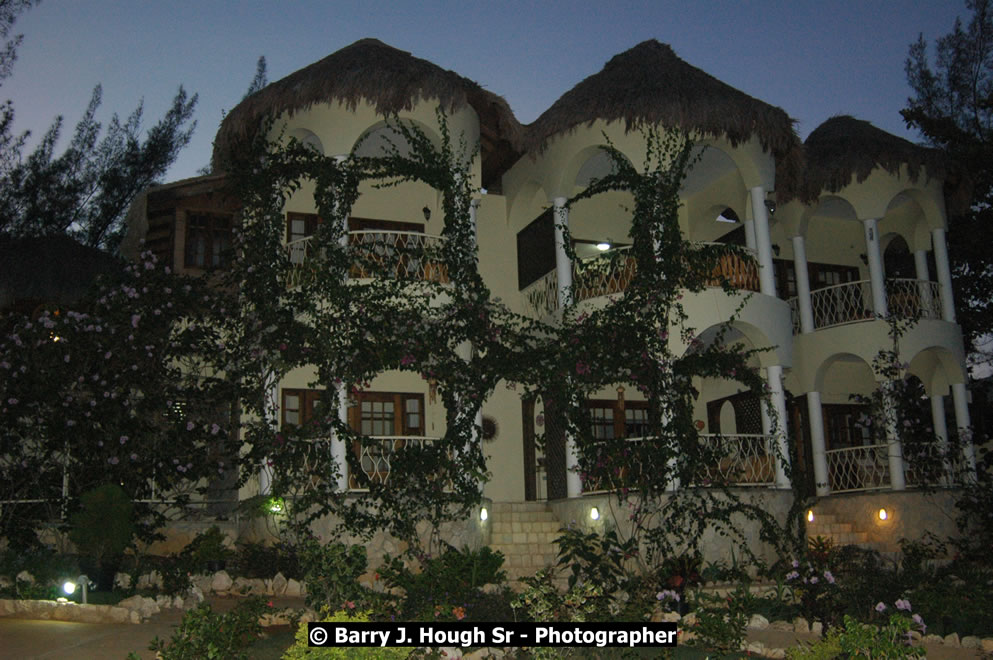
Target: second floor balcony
(374,253)
(851,302)
(612,272)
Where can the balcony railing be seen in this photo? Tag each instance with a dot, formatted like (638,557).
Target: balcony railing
(376,455)
(611,273)
(858,468)
(405,255)
(741,460)
(851,302)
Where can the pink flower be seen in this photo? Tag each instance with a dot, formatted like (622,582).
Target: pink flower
(406,359)
(582,368)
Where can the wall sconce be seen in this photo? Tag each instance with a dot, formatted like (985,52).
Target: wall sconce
(883,514)
(483,514)
(864,258)
(810,516)
(770,206)
(594,514)
(427,213)
(775,249)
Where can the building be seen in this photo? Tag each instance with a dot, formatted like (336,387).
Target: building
(846,229)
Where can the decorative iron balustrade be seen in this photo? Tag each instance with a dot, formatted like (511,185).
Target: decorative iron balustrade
(742,459)
(913,299)
(603,275)
(376,455)
(541,297)
(745,460)
(406,255)
(739,272)
(858,468)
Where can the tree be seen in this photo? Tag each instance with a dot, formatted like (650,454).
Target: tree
(86,190)
(952,107)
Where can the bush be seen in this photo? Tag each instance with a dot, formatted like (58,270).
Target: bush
(332,574)
(205,634)
(257,560)
(207,552)
(595,558)
(102,529)
(448,587)
(301,650)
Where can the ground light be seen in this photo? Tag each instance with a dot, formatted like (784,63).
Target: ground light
(69,587)
(594,514)
(810,515)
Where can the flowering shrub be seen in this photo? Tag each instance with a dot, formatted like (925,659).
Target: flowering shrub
(813,583)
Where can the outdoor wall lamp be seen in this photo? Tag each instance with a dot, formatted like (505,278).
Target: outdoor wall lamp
(603,246)
(594,514)
(883,514)
(483,514)
(810,516)
(427,213)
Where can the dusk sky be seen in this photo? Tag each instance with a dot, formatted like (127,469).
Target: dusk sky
(814,59)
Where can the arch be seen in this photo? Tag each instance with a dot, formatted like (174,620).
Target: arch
(857,369)
(937,368)
(376,139)
(598,165)
(930,204)
(898,261)
(749,336)
(307,138)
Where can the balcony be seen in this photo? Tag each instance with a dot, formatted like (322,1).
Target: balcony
(742,459)
(867,467)
(403,255)
(851,302)
(612,272)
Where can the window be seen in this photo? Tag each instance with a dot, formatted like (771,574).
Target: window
(298,227)
(842,427)
(299,406)
(617,419)
(536,250)
(208,240)
(384,415)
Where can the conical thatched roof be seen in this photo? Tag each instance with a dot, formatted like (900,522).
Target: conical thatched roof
(844,146)
(390,79)
(649,84)
(49,269)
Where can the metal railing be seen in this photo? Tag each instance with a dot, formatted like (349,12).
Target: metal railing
(858,468)
(851,302)
(405,255)
(611,273)
(541,297)
(742,459)
(376,455)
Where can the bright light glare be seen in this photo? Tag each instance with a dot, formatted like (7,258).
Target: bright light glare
(68,587)
(595,513)
(484,514)
(603,246)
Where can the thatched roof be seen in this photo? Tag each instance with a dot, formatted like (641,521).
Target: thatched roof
(392,80)
(649,84)
(844,146)
(49,269)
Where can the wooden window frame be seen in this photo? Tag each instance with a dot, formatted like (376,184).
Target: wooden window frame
(400,420)
(619,408)
(308,399)
(212,232)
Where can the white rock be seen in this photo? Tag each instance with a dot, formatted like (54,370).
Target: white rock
(134,617)
(24,576)
(256,586)
(782,626)
(952,640)
(163,601)
(122,580)
(800,625)
(221,582)
(202,581)
(934,639)
(177,601)
(278,585)
(817,628)
(132,603)
(293,588)
(758,622)
(758,648)
(775,653)
(987,645)
(5,582)
(972,642)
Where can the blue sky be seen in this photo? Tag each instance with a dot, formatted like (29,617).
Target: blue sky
(813,59)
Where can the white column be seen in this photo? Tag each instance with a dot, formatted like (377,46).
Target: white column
(563,265)
(763,242)
(923,275)
(802,284)
(960,397)
(894,448)
(774,374)
(749,234)
(944,274)
(339,451)
(941,432)
(877,275)
(818,448)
